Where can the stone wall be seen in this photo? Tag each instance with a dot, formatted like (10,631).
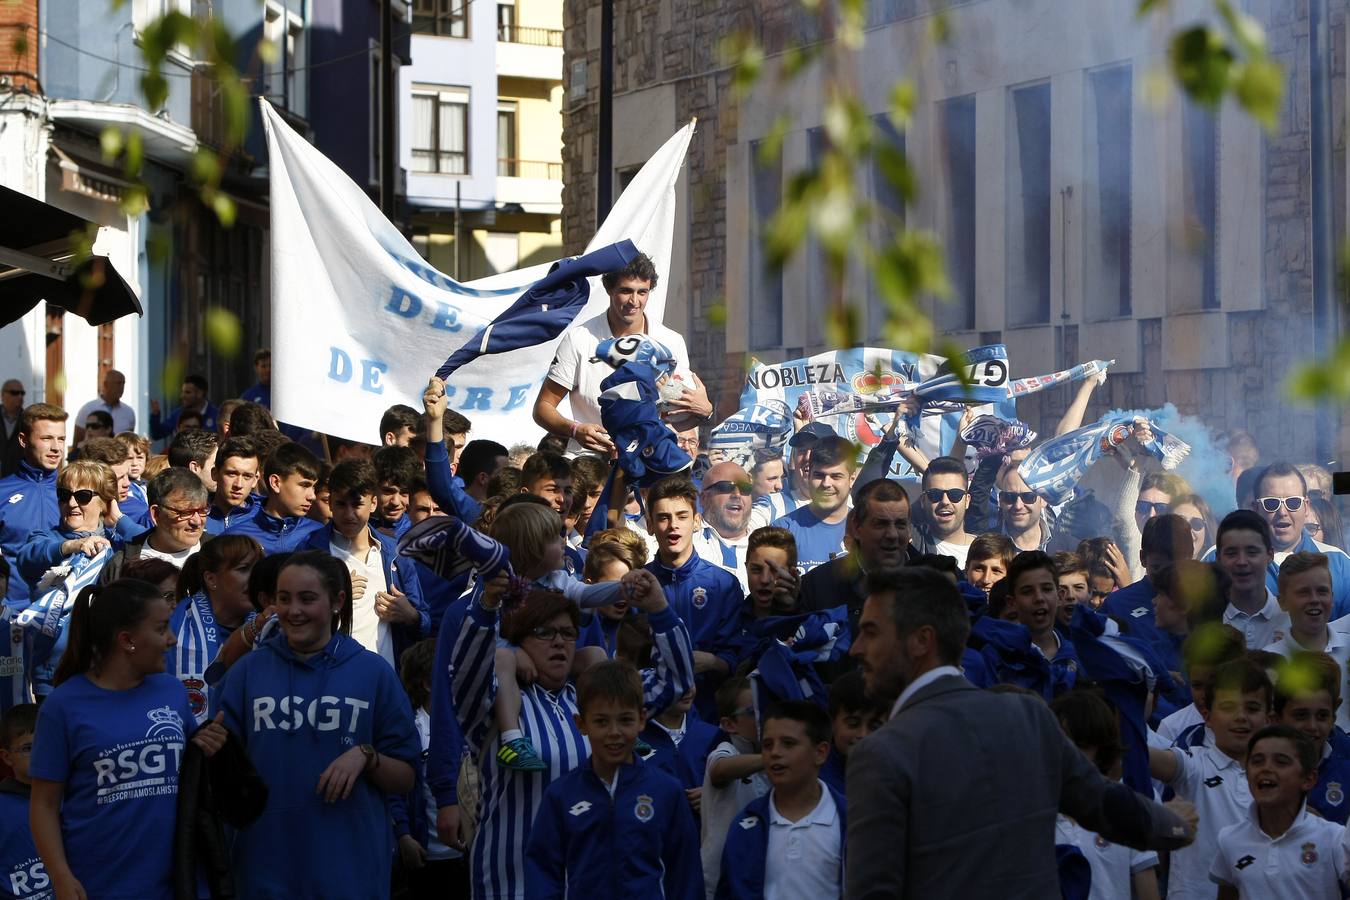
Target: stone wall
(662,42)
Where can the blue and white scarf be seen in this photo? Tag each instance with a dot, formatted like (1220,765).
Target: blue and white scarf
(43,621)
(1056,466)
(200,638)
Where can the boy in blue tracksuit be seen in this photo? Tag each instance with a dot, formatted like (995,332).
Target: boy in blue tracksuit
(680,744)
(789,844)
(618,827)
(22,873)
(280,524)
(390,615)
(705,596)
(28,497)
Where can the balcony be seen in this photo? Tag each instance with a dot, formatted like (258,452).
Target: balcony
(536,185)
(527,52)
(509,33)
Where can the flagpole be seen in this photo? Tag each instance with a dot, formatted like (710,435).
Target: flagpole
(604,172)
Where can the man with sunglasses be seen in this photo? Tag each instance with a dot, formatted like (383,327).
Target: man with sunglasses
(1282,500)
(1024,514)
(724,505)
(179,505)
(28,497)
(944,500)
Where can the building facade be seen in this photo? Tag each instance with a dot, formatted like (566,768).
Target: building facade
(1084,214)
(481,134)
(77,79)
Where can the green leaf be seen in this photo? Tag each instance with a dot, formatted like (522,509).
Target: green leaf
(896,170)
(904,97)
(155,89)
(110,142)
(135,155)
(223,331)
(1148,6)
(223,206)
(1202,64)
(1259,87)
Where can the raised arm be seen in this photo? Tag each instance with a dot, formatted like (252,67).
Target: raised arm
(473,676)
(1072,419)
(672,670)
(445,489)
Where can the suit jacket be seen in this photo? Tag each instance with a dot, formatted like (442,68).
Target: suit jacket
(956,797)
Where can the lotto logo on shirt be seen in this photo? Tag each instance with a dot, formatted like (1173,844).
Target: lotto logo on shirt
(29,879)
(292,713)
(144,768)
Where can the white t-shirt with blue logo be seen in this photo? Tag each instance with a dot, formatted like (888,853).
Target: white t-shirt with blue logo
(118,754)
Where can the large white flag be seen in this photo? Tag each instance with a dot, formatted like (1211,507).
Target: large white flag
(360,320)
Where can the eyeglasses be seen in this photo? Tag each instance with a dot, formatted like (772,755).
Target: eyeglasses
(548,633)
(1008,498)
(954,495)
(1196,524)
(1272,504)
(1313,528)
(182,515)
(726,487)
(82,497)
(1144,508)
(744,711)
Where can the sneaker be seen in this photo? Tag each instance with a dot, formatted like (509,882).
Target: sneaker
(521,756)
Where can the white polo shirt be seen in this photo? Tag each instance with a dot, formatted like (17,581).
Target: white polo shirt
(1113,865)
(1338,648)
(803,861)
(1304,862)
(719,551)
(1171,727)
(123,416)
(1217,785)
(572,367)
(367,627)
(1263,627)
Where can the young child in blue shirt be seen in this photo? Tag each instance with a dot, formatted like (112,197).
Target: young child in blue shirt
(679,745)
(853,716)
(22,873)
(618,827)
(789,844)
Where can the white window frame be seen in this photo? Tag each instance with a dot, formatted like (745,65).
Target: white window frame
(444,94)
(143,12)
(286,75)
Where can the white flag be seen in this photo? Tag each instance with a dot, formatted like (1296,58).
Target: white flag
(360,320)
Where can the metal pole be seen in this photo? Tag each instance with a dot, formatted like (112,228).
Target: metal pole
(604,173)
(388,142)
(457,186)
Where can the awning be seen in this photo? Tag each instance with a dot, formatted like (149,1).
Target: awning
(36,264)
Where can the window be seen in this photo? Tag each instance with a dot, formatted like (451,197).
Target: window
(143,12)
(440,142)
(447,18)
(285,76)
(890,206)
(1106,194)
(1198,283)
(1028,222)
(507,163)
(957,130)
(506,22)
(766,281)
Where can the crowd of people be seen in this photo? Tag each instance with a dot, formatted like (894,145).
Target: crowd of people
(236,669)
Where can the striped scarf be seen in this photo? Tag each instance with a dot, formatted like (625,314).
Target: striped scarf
(200,638)
(1055,467)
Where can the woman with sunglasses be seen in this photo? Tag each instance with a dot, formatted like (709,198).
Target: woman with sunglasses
(1324,523)
(1199,518)
(58,562)
(543,624)
(330,730)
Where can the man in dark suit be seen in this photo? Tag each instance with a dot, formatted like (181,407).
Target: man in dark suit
(11,411)
(956,796)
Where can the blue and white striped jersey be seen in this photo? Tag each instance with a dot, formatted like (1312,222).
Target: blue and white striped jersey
(509,799)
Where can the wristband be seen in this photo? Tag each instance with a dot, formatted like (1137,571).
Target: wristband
(575,426)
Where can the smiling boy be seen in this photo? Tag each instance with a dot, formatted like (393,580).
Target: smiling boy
(618,827)
(1279,849)
(1306,595)
(1237,704)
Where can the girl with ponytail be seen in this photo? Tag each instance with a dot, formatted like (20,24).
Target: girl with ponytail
(107,749)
